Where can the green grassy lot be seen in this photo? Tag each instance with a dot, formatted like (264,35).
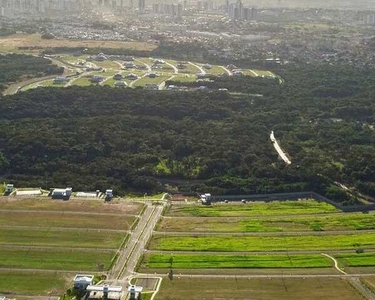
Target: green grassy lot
(206,261)
(146,80)
(114,206)
(265,243)
(215,70)
(61,219)
(356,260)
(50,83)
(107,64)
(369,282)
(111,82)
(56,238)
(83,81)
(185,78)
(253,209)
(75,260)
(264,289)
(32,283)
(353,221)
(190,69)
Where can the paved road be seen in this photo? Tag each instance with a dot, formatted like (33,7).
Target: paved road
(227,70)
(173,67)
(198,67)
(162,85)
(142,241)
(362,288)
(279,150)
(134,248)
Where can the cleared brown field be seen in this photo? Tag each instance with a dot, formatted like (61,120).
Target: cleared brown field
(115,207)
(64,219)
(13,42)
(257,289)
(369,282)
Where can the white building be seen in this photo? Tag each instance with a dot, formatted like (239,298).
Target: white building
(83,281)
(61,193)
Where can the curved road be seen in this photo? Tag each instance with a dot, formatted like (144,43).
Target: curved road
(279,150)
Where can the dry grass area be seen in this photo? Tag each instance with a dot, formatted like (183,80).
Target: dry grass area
(115,207)
(369,282)
(13,42)
(65,220)
(256,289)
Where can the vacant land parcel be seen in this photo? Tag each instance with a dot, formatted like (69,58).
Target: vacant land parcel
(42,235)
(274,235)
(264,289)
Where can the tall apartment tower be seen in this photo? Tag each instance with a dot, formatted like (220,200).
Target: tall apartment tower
(141,5)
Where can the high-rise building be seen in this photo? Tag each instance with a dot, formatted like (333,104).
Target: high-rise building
(141,5)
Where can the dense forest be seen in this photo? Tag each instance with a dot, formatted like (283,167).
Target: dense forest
(135,140)
(13,67)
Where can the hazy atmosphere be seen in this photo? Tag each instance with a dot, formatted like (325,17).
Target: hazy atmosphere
(187,150)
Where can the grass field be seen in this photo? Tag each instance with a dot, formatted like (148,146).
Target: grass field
(57,238)
(115,207)
(83,81)
(355,221)
(146,80)
(63,219)
(265,243)
(11,43)
(369,282)
(206,261)
(356,260)
(75,260)
(259,289)
(32,283)
(253,209)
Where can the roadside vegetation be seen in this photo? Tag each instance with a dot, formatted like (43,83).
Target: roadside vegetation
(209,261)
(18,66)
(253,209)
(330,222)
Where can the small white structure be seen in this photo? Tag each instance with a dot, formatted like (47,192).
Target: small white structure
(206,199)
(207,66)
(104,292)
(28,192)
(62,193)
(135,292)
(83,281)
(108,195)
(9,188)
